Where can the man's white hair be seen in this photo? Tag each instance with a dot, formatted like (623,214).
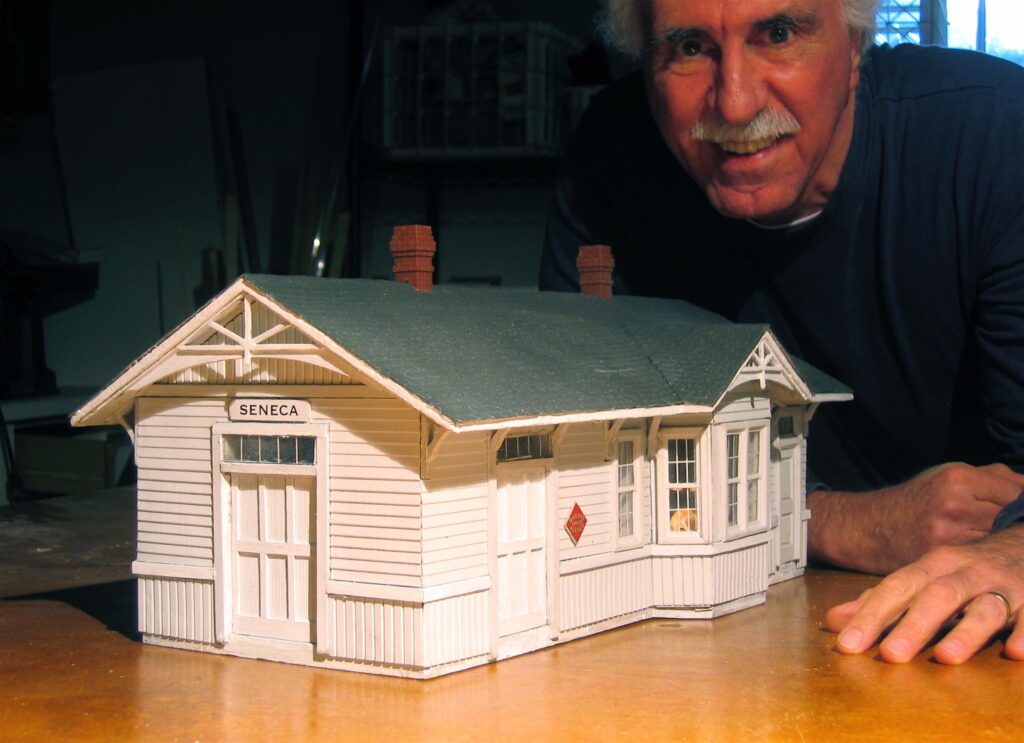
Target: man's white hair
(623,23)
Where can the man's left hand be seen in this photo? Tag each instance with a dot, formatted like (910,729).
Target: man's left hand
(959,585)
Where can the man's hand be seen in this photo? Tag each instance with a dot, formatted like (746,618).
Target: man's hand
(882,531)
(960,585)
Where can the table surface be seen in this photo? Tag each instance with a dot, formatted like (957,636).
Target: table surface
(71,670)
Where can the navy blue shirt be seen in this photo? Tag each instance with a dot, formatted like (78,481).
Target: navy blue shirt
(909,287)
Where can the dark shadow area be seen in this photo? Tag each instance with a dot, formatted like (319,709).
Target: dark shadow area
(113,604)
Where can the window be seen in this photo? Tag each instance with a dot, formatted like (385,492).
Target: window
(627,489)
(992,26)
(237,447)
(786,428)
(744,477)
(753,476)
(528,446)
(627,496)
(732,478)
(682,485)
(899,22)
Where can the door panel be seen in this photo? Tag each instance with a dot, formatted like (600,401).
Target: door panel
(273,555)
(789,548)
(521,549)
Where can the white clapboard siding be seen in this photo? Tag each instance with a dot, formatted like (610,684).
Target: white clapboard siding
(177,608)
(584,478)
(373,631)
(455,502)
(596,595)
(175,483)
(709,580)
(375,503)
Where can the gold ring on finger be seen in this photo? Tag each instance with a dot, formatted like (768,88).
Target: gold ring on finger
(1006,603)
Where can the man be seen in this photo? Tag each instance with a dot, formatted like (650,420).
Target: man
(772,166)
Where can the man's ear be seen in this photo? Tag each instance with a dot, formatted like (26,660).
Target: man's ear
(856,56)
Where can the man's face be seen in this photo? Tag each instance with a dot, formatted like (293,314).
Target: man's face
(755,99)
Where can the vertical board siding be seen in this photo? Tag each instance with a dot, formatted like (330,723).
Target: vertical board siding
(175,481)
(372,631)
(584,477)
(741,573)
(681,581)
(375,501)
(177,608)
(408,634)
(455,511)
(706,581)
(603,593)
(455,628)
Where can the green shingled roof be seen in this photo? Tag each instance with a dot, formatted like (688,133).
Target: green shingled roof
(479,354)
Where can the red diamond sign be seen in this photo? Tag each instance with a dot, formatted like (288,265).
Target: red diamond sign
(576,523)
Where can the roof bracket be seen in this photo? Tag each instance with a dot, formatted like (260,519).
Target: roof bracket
(498,439)
(652,435)
(611,430)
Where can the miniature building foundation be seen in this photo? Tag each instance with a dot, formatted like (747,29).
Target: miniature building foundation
(413,248)
(595,264)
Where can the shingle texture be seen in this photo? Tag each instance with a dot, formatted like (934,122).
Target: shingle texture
(489,354)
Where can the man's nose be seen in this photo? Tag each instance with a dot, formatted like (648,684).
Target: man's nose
(739,89)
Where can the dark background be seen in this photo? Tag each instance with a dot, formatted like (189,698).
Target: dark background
(141,135)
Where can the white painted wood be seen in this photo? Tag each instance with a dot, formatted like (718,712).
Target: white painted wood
(186,572)
(593,596)
(372,631)
(521,548)
(307,391)
(455,628)
(769,362)
(176,608)
(582,476)
(354,590)
(706,502)
(274,553)
(685,581)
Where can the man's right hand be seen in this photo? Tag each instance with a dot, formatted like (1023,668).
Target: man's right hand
(883,530)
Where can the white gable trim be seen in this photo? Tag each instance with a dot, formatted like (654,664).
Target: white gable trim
(175,353)
(768,362)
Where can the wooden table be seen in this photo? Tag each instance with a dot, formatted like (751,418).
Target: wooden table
(765,674)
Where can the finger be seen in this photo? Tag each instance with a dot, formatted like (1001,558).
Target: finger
(1015,642)
(881,609)
(1001,470)
(985,616)
(930,610)
(839,616)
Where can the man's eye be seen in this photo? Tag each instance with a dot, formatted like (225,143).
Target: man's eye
(779,34)
(690,47)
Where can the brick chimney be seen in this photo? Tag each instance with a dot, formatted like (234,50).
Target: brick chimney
(413,248)
(595,264)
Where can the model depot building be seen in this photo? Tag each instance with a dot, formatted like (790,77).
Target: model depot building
(361,475)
